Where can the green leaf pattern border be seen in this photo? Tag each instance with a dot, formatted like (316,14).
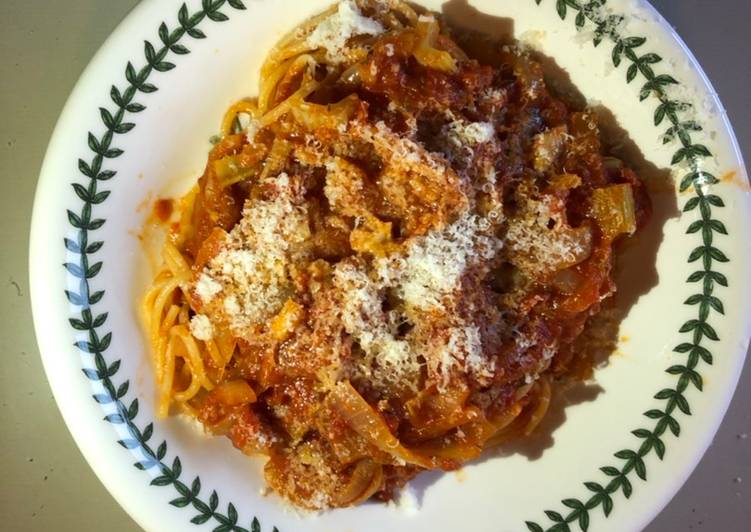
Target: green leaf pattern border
(113,397)
(619,478)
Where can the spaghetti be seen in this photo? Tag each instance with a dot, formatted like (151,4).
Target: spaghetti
(389,256)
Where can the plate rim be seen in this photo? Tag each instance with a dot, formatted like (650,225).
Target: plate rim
(38,298)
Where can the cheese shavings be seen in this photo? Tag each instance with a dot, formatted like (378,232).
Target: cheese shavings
(464,352)
(426,275)
(465,133)
(201,328)
(207,288)
(251,270)
(391,360)
(435,263)
(334,32)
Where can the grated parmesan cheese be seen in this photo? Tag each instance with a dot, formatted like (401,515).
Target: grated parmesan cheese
(244,120)
(435,263)
(231,306)
(319,500)
(533,39)
(471,133)
(207,288)
(408,502)
(463,351)
(333,33)
(548,352)
(251,269)
(491,179)
(402,152)
(539,249)
(426,273)
(469,342)
(251,130)
(366,322)
(201,328)
(249,125)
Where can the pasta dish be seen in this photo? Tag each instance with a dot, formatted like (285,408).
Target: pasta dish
(387,262)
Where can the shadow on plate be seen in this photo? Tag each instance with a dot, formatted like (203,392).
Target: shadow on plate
(482,36)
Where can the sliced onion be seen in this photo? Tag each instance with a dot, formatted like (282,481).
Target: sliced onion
(452,448)
(365,421)
(567,281)
(433,413)
(426,53)
(367,478)
(314,116)
(614,209)
(234,393)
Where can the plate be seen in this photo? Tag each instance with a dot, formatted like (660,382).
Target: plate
(612,453)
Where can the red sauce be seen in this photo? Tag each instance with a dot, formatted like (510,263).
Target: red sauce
(163,209)
(293,420)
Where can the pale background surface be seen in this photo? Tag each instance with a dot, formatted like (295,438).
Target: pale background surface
(46,485)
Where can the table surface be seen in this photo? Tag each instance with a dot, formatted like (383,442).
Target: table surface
(44,45)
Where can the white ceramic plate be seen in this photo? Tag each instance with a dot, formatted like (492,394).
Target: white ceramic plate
(137,125)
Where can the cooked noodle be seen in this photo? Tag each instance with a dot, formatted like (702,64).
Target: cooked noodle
(387,259)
